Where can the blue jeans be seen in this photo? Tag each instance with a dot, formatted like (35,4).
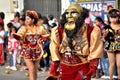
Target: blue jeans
(105,66)
(115,70)
(10,59)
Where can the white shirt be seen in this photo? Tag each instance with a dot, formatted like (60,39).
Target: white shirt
(2,34)
(13,43)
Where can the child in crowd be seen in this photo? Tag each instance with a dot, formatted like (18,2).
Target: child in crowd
(13,47)
(9,56)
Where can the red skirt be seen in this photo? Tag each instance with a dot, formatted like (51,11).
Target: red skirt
(1,54)
(77,72)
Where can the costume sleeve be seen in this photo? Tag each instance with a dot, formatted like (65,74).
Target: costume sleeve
(44,33)
(96,44)
(20,34)
(92,66)
(54,44)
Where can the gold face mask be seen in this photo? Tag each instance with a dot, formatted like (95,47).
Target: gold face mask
(72,14)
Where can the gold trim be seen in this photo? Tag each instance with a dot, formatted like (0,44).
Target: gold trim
(75,64)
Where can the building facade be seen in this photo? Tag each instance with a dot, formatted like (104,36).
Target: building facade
(45,7)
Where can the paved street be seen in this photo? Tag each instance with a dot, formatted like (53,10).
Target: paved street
(20,75)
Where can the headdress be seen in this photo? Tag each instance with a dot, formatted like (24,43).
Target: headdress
(32,13)
(114,13)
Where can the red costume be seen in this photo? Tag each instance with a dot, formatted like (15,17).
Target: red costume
(75,49)
(31,38)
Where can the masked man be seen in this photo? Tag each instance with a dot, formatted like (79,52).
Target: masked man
(75,47)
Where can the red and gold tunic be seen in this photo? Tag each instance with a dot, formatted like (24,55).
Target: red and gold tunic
(80,62)
(82,52)
(31,37)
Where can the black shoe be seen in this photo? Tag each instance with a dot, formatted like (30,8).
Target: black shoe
(39,69)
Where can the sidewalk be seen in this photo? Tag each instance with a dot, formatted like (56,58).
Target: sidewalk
(20,75)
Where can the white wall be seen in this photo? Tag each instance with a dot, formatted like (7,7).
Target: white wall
(8,8)
(64,5)
(20,5)
(5,5)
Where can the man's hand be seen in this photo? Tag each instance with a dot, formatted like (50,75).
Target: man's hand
(54,73)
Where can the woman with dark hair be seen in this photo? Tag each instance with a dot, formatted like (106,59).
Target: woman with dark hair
(109,7)
(103,65)
(31,36)
(99,22)
(45,60)
(15,20)
(44,63)
(112,41)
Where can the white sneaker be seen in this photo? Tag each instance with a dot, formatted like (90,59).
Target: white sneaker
(105,77)
(7,67)
(13,68)
(115,77)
